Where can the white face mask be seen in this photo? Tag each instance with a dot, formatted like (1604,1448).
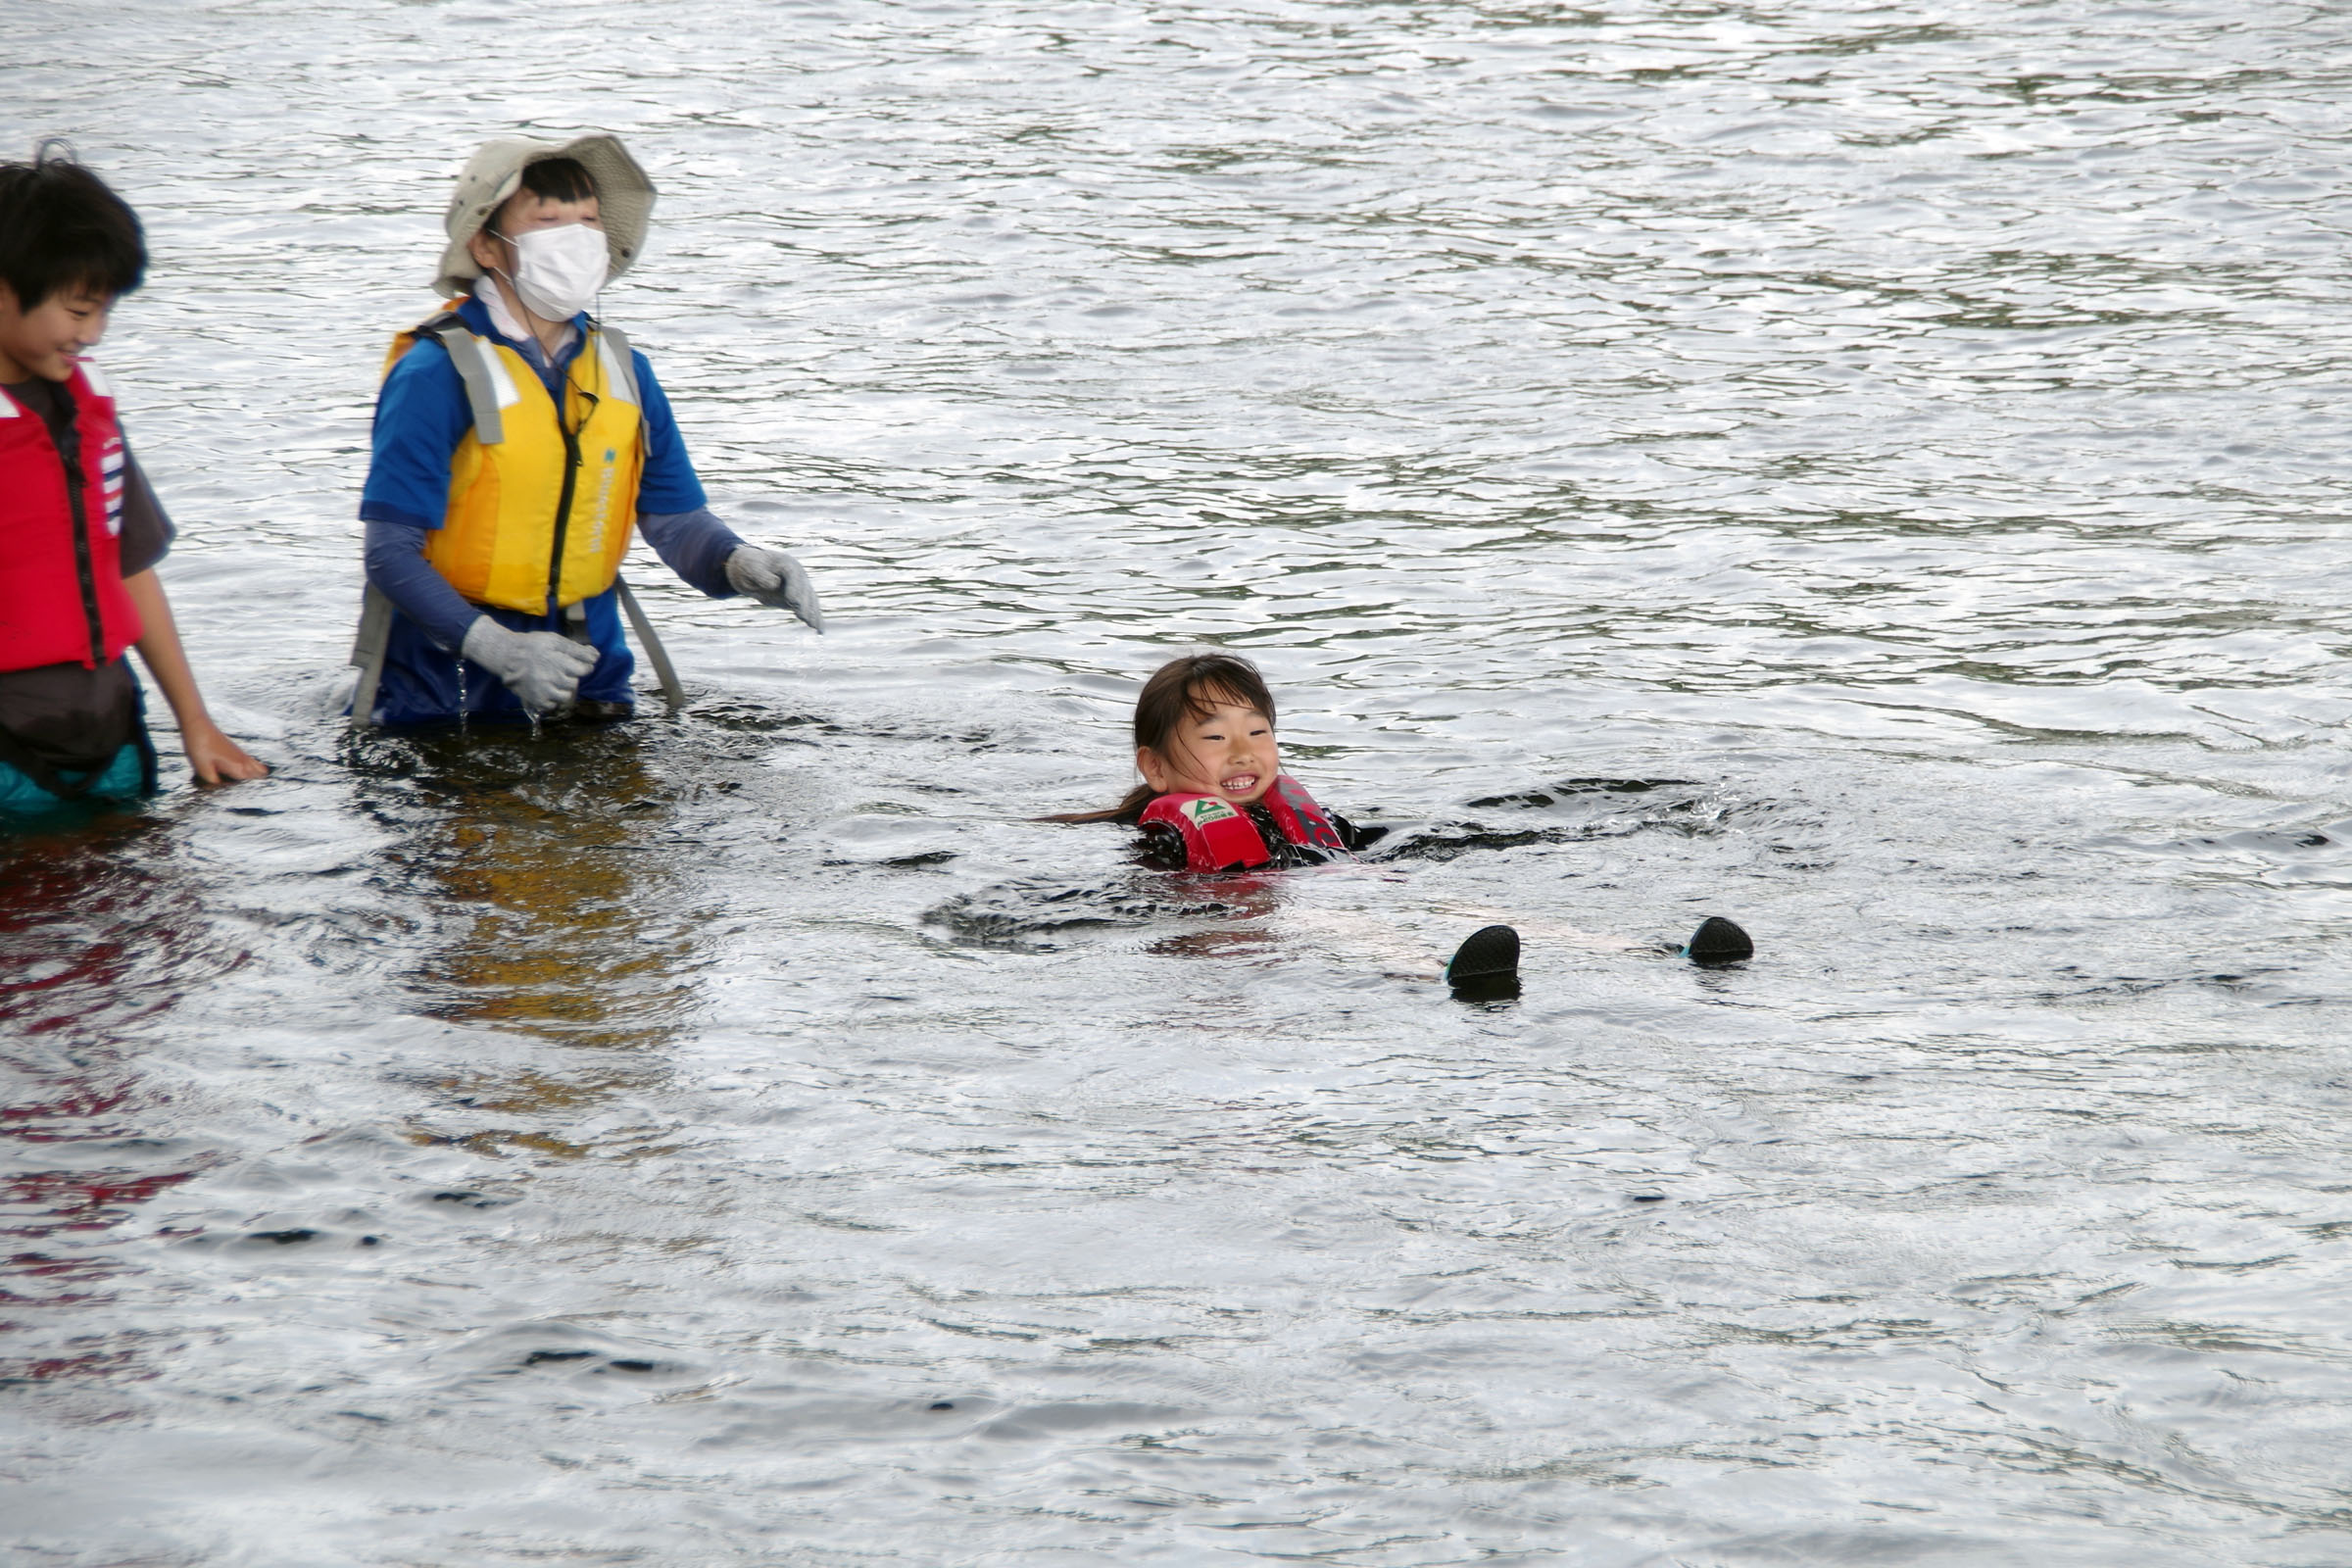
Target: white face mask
(558,272)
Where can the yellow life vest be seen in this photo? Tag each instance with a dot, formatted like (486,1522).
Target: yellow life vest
(541,507)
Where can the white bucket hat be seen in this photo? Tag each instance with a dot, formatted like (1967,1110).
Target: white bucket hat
(624,199)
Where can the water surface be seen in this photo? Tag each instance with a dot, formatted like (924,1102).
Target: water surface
(1875,477)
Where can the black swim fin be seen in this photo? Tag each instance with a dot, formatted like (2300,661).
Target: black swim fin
(1486,966)
(1718,940)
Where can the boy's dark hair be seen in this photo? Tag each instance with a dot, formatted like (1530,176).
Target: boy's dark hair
(1184,688)
(61,227)
(559,180)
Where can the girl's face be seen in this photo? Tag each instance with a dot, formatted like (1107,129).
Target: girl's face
(1229,752)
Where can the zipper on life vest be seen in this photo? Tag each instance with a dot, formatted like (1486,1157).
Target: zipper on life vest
(571,483)
(76,480)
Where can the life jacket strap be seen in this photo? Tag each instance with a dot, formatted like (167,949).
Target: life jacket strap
(624,360)
(488,387)
(672,692)
(1302,820)
(368,653)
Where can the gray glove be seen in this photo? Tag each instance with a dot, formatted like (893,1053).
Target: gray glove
(776,580)
(542,668)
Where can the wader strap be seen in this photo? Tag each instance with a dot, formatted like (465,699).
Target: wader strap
(663,670)
(368,653)
(622,361)
(476,369)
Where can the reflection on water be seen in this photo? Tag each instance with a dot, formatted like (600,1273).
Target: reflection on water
(555,845)
(95,930)
(97,934)
(1880,480)
(566,914)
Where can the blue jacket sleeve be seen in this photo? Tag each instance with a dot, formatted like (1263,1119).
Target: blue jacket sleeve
(396,563)
(693,544)
(420,415)
(669,483)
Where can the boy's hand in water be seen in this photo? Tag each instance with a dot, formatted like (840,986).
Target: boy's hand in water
(214,757)
(542,668)
(776,580)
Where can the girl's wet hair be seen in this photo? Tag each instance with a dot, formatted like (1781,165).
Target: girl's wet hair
(1181,689)
(62,227)
(1191,687)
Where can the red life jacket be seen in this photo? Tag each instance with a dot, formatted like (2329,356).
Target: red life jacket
(1219,836)
(62,599)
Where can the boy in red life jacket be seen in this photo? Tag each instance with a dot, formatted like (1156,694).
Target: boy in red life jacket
(519,444)
(80,529)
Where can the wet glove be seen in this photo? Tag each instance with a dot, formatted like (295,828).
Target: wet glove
(776,580)
(542,668)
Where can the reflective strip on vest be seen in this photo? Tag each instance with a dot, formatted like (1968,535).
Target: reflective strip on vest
(620,366)
(488,387)
(110,464)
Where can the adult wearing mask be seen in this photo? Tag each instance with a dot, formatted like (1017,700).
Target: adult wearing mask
(520,442)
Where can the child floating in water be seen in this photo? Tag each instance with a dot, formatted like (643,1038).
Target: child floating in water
(1215,798)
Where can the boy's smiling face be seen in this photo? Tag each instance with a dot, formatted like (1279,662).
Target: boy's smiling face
(1227,752)
(47,339)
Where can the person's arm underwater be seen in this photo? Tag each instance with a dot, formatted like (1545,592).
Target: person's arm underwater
(212,754)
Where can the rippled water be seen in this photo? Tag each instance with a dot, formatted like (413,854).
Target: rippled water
(1877,477)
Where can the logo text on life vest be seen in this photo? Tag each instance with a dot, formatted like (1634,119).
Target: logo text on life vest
(1206,810)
